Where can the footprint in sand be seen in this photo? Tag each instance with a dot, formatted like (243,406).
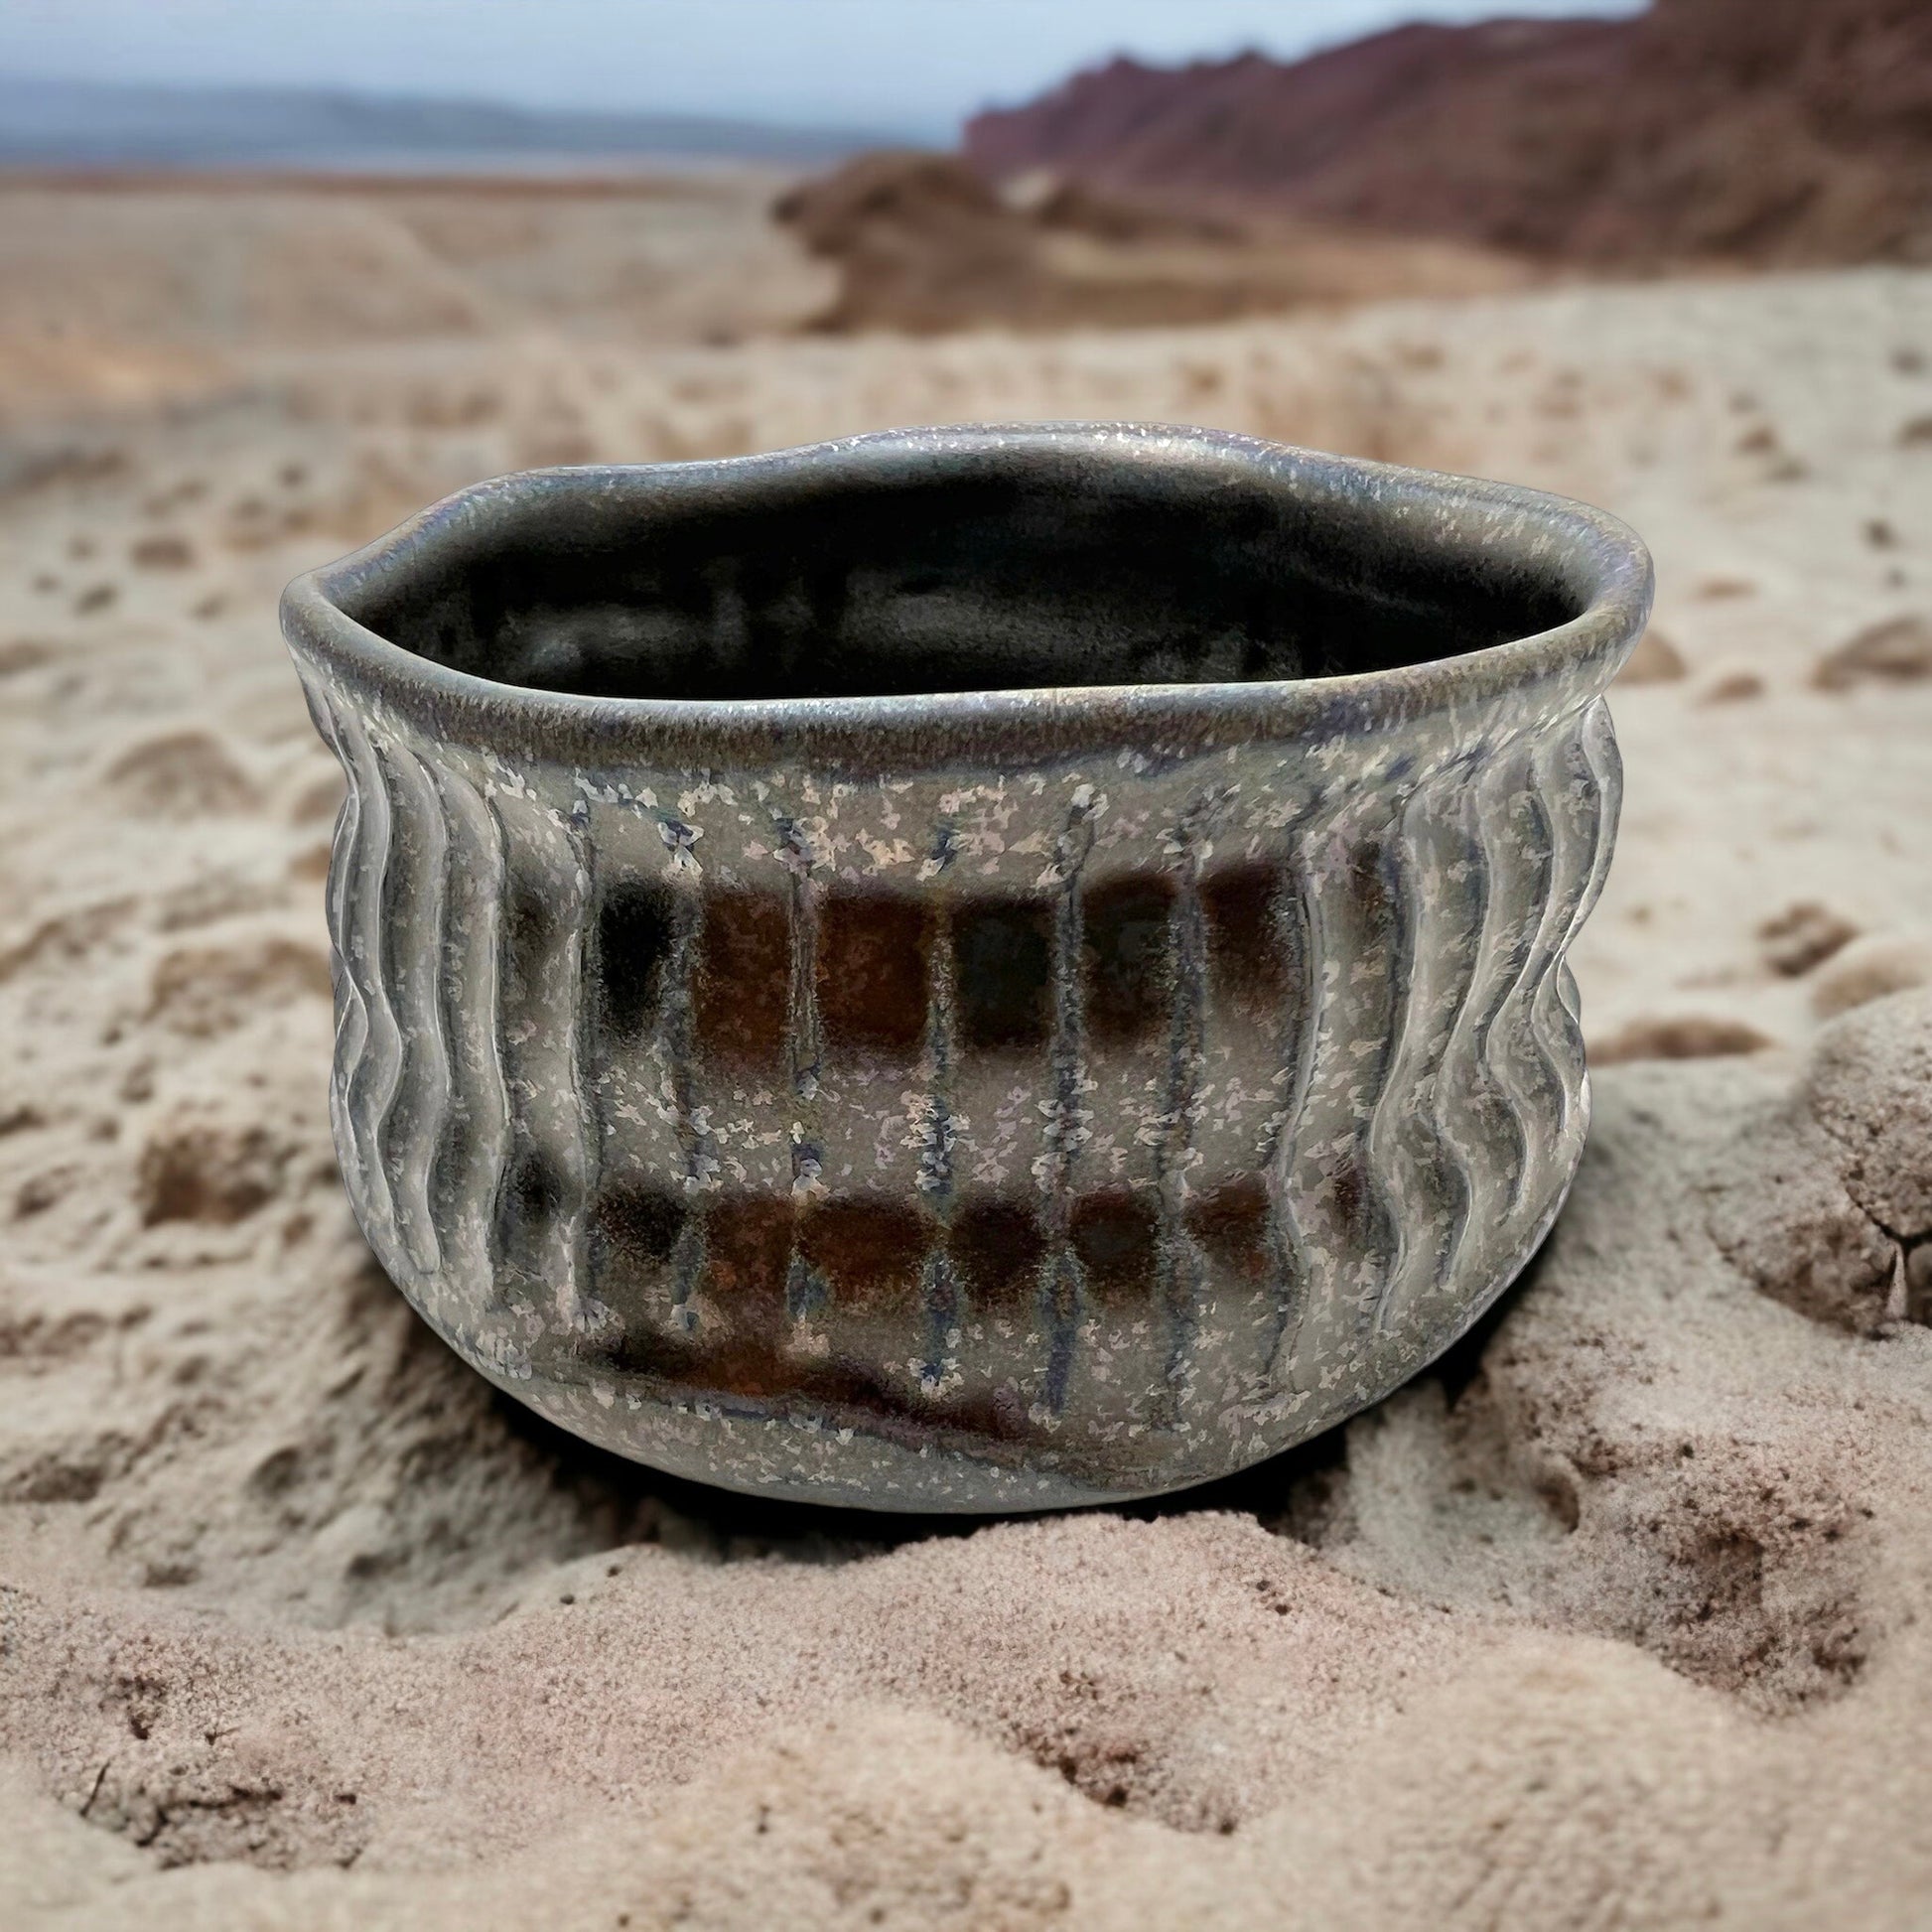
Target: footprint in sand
(181,775)
(1898,652)
(1688,1036)
(162,553)
(205,991)
(1803,937)
(206,1169)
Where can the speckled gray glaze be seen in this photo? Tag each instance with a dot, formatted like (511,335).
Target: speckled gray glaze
(965,969)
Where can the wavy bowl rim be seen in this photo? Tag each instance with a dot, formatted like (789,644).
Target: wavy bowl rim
(1602,560)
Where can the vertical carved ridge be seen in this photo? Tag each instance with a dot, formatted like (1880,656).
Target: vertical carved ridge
(370,1083)
(940,1287)
(478,1143)
(1567,786)
(1599,789)
(1508,1054)
(1181,1275)
(415,907)
(1380,1219)
(1343,1216)
(1458,924)
(581,1127)
(1469,1112)
(806,1052)
(673,1046)
(1489,1104)
(1063,1280)
(1297,924)
(351,1016)
(1394,1170)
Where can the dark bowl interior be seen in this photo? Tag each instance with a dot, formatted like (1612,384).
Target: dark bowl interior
(816,580)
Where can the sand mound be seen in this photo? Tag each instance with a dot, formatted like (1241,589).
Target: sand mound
(1645,1537)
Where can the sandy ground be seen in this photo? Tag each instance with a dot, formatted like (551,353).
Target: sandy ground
(1616,1620)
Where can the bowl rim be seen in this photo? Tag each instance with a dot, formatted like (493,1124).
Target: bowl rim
(1602,561)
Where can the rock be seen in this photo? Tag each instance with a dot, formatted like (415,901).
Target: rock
(1784,1218)
(1825,1200)
(1871,1089)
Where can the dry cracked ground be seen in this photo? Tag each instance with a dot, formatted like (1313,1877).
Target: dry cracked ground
(1615,1619)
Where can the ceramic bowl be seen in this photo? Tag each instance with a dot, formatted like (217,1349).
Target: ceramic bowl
(965,969)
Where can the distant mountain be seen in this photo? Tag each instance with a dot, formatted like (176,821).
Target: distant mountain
(1756,130)
(69,123)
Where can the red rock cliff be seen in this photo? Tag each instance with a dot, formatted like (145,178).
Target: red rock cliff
(1778,131)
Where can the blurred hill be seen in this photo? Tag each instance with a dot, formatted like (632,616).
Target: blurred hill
(924,244)
(66,123)
(1770,132)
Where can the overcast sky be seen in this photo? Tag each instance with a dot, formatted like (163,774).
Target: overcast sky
(917,66)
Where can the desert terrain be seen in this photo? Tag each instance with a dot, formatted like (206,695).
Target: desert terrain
(1615,1619)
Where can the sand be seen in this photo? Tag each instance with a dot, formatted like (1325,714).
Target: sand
(1615,1619)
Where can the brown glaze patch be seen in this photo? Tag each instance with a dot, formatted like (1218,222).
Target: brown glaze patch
(1003,960)
(875,952)
(748,1248)
(1245,953)
(1128,958)
(868,1249)
(743,987)
(748,1366)
(1116,1232)
(997,1246)
(1232,1225)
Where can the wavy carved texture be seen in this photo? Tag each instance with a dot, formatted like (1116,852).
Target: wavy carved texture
(1428,1093)
(423,1113)
(1441,1097)
(415,903)
(475,1157)
(369,1052)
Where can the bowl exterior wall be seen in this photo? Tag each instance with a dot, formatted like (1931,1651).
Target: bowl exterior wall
(969,1136)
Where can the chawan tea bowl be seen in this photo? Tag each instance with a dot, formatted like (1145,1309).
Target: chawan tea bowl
(965,969)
